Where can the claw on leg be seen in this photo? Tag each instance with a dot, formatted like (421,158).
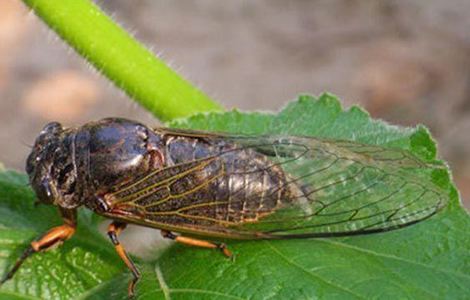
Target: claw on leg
(114,229)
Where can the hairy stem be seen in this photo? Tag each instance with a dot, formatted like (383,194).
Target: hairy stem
(126,62)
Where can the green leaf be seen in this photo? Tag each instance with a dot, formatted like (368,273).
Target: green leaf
(429,260)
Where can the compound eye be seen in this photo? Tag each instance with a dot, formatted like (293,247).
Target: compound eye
(52,128)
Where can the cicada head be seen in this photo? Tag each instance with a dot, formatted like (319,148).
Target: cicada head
(49,166)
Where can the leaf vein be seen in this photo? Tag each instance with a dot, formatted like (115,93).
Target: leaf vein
(344,245)
(161,281)
(316,276)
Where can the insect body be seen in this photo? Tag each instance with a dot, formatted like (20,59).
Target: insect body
(224,186)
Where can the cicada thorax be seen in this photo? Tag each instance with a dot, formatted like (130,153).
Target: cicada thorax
(110,153)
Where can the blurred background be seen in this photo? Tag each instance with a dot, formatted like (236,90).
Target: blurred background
(406,62)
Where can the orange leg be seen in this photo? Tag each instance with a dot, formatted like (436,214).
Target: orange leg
(54,237)
(197,243)
(114,229)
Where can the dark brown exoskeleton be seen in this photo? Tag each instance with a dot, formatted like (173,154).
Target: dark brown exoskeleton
(223,186)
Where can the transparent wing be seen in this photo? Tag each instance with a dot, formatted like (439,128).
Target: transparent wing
(346,188)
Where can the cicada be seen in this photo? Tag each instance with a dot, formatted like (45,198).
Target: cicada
(193,185)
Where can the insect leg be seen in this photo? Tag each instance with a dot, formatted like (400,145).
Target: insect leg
(197,243)
(54,237)
(114,229)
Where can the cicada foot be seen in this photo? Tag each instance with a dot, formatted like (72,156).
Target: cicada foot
(197,243)
(27,253)
(53,238)
(225,251)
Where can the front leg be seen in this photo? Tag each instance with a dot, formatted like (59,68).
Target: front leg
(54,237)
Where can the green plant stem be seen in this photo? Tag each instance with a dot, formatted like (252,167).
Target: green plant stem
(122,59)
